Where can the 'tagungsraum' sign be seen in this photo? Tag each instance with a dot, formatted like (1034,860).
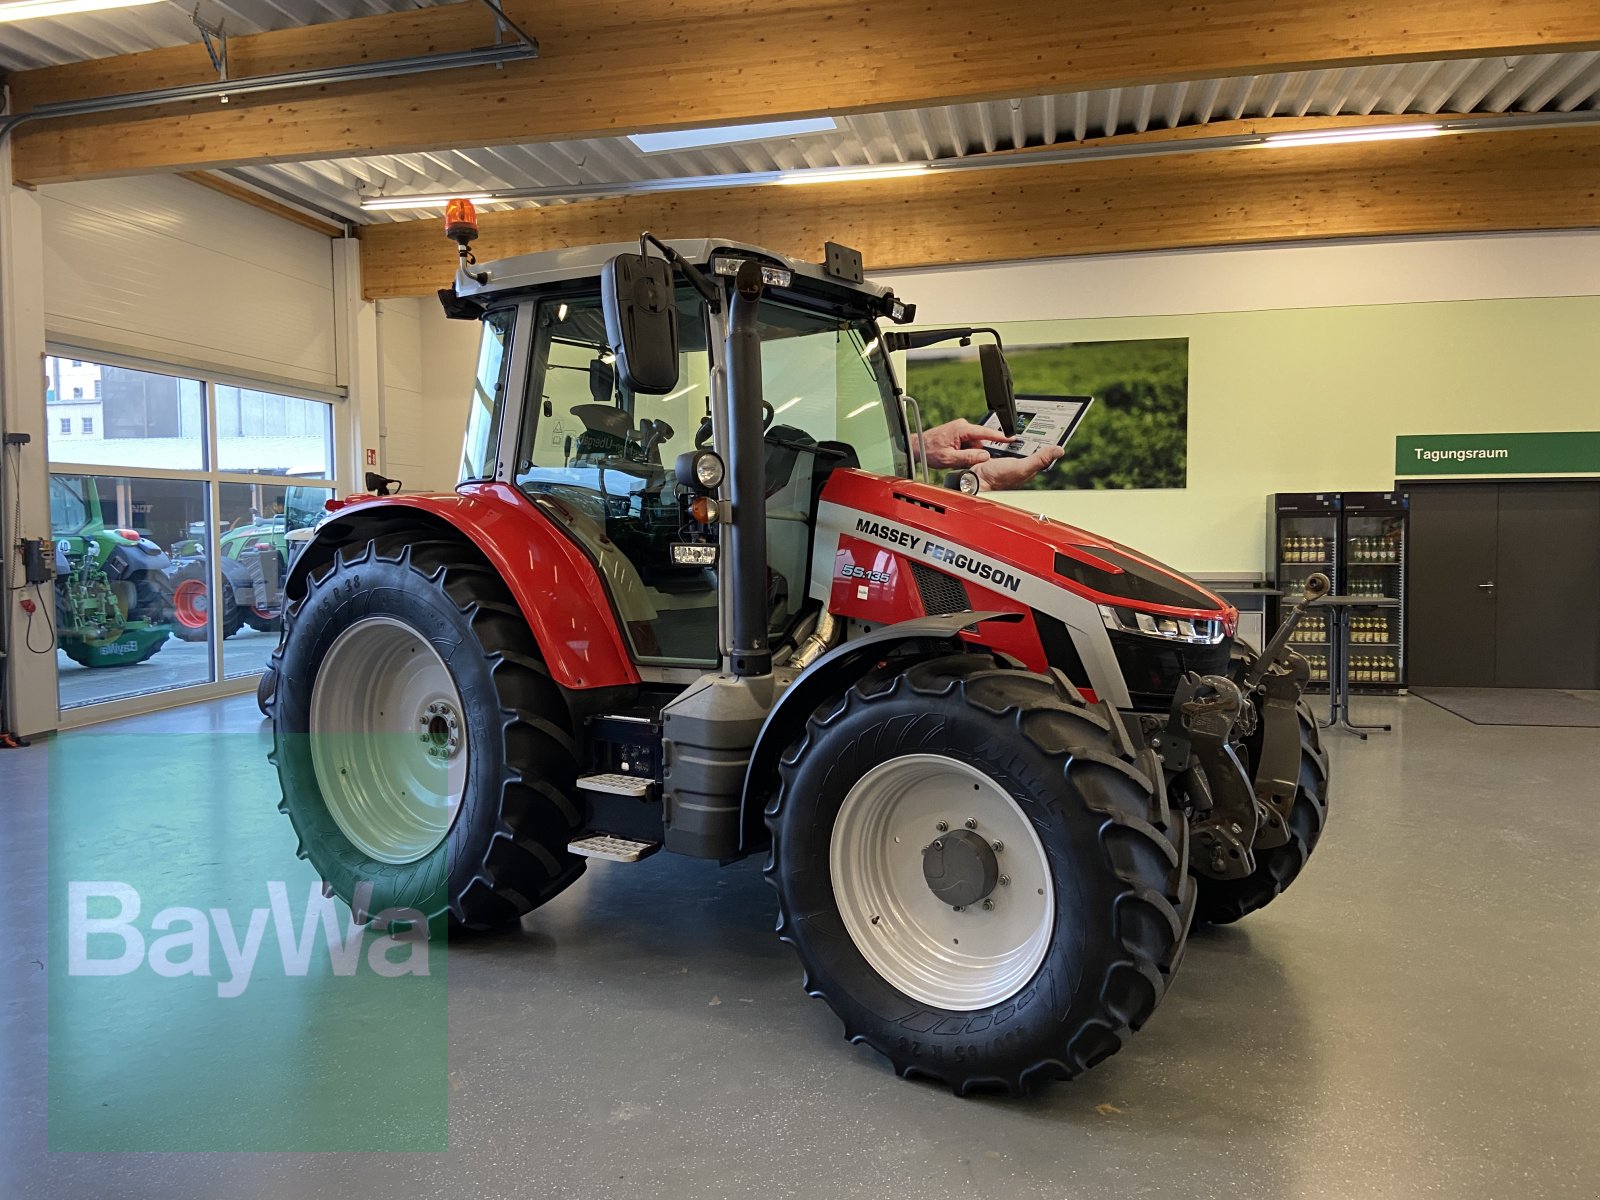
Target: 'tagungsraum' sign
(1576,453)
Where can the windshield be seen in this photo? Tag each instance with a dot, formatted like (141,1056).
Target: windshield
(827,379)
(68,510)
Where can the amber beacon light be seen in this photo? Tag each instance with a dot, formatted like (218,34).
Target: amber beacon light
(461,224)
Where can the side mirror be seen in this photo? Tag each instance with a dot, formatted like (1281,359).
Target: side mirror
(642,322)
(997,389)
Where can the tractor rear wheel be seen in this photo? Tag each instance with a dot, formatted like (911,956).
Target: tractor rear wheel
(421,745)
(979,883)
(192,610)
(1223,901)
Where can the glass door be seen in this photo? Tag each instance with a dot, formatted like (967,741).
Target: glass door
(1304,541)
(1373,546)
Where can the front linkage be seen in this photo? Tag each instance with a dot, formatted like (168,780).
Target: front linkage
(1239,804)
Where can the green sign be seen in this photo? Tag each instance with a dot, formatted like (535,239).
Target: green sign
(1497,454)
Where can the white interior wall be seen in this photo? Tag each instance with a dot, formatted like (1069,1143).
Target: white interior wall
(1305,362)
(405,431)
(30,677)
(449,360)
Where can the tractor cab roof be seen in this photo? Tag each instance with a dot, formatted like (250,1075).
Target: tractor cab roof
(524,271)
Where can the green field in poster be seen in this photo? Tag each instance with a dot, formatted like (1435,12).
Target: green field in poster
(1135,436)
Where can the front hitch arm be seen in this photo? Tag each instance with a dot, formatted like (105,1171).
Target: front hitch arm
(1226,816)
(1277,652)
(1277,769)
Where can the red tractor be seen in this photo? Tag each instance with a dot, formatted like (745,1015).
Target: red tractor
(695,592)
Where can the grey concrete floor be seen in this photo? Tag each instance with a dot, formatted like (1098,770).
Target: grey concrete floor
(1416,1017)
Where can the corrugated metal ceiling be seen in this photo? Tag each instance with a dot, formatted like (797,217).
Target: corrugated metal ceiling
(1531,83)
(47,41)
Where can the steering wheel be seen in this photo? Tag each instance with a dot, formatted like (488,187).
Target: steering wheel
(702,435)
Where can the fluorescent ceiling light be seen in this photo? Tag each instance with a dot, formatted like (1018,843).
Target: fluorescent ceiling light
(724,135)
(852,174)
(1326,137)
(26,10)
(388,203)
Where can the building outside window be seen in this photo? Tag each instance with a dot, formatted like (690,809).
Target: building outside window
(173,496)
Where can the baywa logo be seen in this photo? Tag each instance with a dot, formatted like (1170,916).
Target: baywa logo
(394,944)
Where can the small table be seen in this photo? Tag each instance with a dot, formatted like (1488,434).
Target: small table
(1339,668)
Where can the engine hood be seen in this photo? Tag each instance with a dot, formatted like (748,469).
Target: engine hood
(1094,567)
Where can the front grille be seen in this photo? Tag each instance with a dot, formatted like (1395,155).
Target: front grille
(941,593)
(1153,667)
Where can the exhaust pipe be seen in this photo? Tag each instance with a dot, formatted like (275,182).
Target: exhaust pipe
(750,653)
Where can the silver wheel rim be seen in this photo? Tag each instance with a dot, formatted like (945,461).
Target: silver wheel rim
(388,740)
(963,959)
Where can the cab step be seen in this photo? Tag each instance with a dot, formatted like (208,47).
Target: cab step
(616,849)
(616,784)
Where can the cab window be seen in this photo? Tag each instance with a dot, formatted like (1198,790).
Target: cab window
(478,452)
(601,458)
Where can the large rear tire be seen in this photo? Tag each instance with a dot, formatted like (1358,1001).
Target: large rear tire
(260,620)
(1065,937)
(1223,901)
(421,745)
(191,610)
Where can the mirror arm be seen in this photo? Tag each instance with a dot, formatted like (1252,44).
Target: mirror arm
(696,278)
(919,338)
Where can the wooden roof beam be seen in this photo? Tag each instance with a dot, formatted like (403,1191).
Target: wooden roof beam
(1475,183)
(609,67)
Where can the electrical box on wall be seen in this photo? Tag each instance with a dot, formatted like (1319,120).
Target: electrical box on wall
(35,565)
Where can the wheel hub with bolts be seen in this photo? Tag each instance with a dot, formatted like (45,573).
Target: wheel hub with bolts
(441,729)
(961,869)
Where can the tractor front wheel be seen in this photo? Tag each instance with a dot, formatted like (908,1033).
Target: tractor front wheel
(262,620)
(979,883)
(425,755)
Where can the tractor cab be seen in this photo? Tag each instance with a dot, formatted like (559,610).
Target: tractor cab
(559,417)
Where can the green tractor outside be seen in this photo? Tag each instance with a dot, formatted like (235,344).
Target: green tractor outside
(111,592)
(254,560)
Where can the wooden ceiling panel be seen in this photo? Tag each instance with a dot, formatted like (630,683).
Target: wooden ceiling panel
(1483,182)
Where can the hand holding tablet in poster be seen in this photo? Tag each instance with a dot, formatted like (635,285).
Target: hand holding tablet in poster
(1042,422)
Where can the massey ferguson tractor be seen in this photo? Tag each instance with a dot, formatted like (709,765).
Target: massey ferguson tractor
(697,592)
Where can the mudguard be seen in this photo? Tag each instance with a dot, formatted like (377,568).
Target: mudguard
(554,583)
(128,561)
(923,637)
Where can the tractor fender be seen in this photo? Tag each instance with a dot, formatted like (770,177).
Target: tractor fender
(238,576)
(913,640)
(556,586)
(141,558)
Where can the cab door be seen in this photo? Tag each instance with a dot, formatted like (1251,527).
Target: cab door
(599,461)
